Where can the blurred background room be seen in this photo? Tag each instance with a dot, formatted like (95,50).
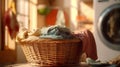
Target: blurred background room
(77,15)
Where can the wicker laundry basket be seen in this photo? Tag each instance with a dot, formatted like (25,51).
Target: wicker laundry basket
(51,52)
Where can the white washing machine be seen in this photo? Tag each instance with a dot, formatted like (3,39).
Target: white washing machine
(107,28)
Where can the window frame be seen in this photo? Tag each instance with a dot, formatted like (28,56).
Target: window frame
(7,55)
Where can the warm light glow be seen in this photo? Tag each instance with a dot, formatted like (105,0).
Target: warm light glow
(22,7)
(73,13)
(87,11)
(22,13)
(33,16)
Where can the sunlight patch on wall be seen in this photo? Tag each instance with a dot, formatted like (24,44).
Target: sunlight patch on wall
(73,14)
(87,11)
(33,16)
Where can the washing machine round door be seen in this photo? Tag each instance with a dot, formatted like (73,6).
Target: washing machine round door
(109,26)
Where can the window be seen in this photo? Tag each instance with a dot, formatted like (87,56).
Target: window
(26,16)
(27,13)
(22,13)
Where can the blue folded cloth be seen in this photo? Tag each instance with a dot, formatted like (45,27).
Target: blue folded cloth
(56,32)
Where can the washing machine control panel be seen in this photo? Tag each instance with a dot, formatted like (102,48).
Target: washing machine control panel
(103,0)
(106,0)
(117,0)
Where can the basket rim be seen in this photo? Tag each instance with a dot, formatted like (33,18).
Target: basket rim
(51,41)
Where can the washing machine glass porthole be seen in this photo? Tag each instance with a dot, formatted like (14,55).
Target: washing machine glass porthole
(110,25)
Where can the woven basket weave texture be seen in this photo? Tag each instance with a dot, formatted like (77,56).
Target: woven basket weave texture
(52,52)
